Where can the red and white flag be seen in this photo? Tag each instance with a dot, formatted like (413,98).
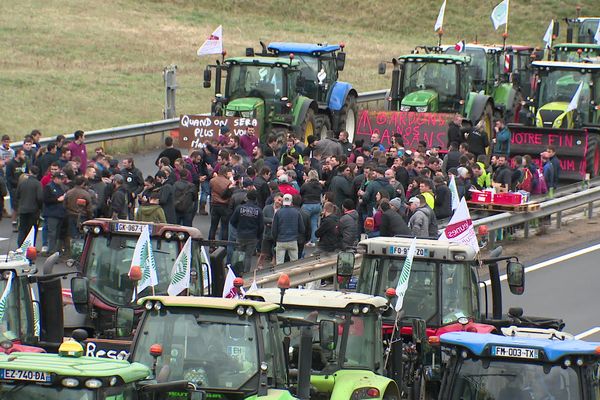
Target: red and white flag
(214,43)
(460,46)
(460,228)
(229,290)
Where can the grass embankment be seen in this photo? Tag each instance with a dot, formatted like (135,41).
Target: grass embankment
(72,64)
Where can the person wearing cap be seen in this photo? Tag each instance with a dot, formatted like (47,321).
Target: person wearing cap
(548,171)
(411,207)
(348,225)
(420,222)
(79,206)
(286,228)
(118,200)
(285,186)
(247,219)
(54,210)
(392,223)
(151,211)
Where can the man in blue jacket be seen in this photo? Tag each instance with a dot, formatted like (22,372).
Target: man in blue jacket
(287,226)
(502,139)
(248,221)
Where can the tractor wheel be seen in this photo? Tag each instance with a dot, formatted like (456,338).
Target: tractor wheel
(322,126)
(348,118)
(308,126)
(592,156)
(280,134)
(488,117)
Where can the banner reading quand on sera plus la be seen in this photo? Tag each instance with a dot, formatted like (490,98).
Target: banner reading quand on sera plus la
(196,130)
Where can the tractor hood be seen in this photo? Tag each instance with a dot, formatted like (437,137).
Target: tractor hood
(244,104)
(554,115)
(421,98)
(343,383)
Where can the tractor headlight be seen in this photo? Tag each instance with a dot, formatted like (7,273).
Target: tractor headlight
(247,114)
(404,108)
(229,113)
(148,306)
(422,109)
(70,382)
(93,383)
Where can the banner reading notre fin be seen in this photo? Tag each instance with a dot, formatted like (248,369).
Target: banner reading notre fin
(195,130)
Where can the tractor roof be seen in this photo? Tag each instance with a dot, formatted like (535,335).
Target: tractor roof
(265,61)
(435,57)
(426,248)
(480,344)
(577,46)
(83,367)
(131,227)
(209,302)
(15,262)
(317,298)
(302,48)
(565,65)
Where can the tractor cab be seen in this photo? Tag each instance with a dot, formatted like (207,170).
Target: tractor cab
(225,348)
(347,351)
(484,67)
(104,287)
(519,365)
(558,86)
(582,29)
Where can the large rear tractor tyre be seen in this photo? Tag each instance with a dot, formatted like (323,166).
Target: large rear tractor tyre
(308,126)
(349,117)
(323,126)
(592,156)
(280,134)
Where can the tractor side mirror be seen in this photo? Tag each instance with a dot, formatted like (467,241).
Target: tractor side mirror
(419,330)
(124,320)
(569,34)
(345,264)
(340,61)
(381,69)
(515,272)
(249,52)
(207,78)
(556,29)
(79,292)
(328,334)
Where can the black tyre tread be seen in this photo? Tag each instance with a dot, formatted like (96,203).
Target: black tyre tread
(322,122)
(590,155)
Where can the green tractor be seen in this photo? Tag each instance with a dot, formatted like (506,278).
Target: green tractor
(287,87)
(437,83)
(347,351)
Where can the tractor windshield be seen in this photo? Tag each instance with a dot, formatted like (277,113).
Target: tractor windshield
(214,349)
(263,81)
(560,85)
(358,345)
(439,77)
(16,321)
(485,379)
(431,284)
(477,67)
(108,261)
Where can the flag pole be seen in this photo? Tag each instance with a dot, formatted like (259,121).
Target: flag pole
(505,35)
(440,34)
(389,347)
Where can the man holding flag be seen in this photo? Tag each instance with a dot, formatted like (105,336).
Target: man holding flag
(143,261)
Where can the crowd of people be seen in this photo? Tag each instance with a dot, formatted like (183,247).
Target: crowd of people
(275,197)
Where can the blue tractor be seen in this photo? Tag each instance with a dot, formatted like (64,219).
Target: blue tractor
(334,102)
(522,363)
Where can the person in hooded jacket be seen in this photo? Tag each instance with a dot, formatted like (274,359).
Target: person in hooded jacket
(348,225)
(443,198)
(392,223)
(166,199)
(419,222)
(327,232)
(151,211)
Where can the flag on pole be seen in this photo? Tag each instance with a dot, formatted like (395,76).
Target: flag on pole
(575,100)
(500,14)
(4,298)
(213,44)
(439,22)
(180,274)
(143,256)
(402,285)
(29,240)
(460,46)
(454,192)
(548,35)
(229,291)
(597,35)
(460,228)
(206,277)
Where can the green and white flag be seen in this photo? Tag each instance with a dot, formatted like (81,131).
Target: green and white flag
(500,14)
(143,257)
(4,298)
(29,240)
(405,275)
(206,275)
(36,315)
(180,274)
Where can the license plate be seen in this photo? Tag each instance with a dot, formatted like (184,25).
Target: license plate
(129,227)
(514,352)
(402,251)
(20,375)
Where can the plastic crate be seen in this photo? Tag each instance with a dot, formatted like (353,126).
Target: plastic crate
(481,197)
(507,198)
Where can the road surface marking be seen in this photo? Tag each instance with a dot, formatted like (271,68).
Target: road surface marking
(552,261)
(3,239)
(587,333)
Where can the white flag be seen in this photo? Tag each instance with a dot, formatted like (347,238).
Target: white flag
(29,240)
(229,290)
(460,228)
(454,192)
(143,257)
(597,35)
(254,286)
(4,298)
(206,277)
(214,43)
(439,22)
(575,100)
(180,274)
(402,285)
(548,35)
(500,14)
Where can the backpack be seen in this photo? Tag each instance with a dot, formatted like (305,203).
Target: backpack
(542,187)
(526,183)
(184,197)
